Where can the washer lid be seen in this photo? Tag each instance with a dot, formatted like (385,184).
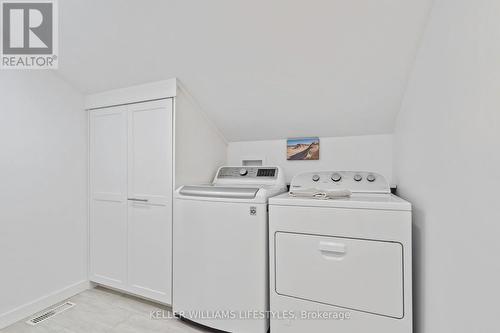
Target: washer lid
(360,201)
(220,192)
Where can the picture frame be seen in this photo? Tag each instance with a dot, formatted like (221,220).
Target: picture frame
(302,149)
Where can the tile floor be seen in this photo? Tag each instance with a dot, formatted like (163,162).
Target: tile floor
(101,310)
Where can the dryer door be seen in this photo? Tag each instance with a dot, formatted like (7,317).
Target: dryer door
(357,274)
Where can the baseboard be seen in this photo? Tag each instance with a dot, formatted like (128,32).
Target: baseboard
(28,309)
(130,293)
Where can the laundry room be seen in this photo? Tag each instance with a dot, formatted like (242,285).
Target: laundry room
(249,166)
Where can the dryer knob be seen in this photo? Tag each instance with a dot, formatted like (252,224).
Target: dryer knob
(315,178)
(358,177)
(370,178)
(243,172)
(336,177)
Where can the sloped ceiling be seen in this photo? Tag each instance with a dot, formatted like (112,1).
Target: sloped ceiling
(261,69)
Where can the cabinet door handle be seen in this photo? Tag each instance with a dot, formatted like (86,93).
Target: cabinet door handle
(140,200)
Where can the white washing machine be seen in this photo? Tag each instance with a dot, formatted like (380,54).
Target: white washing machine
(341,264)
(220,272)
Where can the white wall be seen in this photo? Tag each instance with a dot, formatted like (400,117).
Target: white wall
(447,164)
(199,146)
(363,153)
(43,198)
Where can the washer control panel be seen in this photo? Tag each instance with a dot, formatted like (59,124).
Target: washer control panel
(356,181)
(247,172)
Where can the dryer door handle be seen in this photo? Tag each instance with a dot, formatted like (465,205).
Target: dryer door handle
(332,249)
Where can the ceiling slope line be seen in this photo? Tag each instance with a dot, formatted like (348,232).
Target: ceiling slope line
(205,115)
(413,62)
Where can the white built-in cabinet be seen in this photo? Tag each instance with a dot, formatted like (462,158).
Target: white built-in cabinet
(131,185)
(133,171)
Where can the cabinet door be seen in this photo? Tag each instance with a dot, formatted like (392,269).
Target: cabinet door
(108,194)
(150,164)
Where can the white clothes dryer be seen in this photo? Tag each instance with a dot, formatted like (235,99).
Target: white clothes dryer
(340,264)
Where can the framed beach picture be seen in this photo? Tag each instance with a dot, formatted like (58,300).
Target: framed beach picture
(301,149)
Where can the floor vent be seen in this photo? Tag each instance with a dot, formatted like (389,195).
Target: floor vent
(50,313)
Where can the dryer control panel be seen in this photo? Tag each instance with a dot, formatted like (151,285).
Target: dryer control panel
(355,181)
